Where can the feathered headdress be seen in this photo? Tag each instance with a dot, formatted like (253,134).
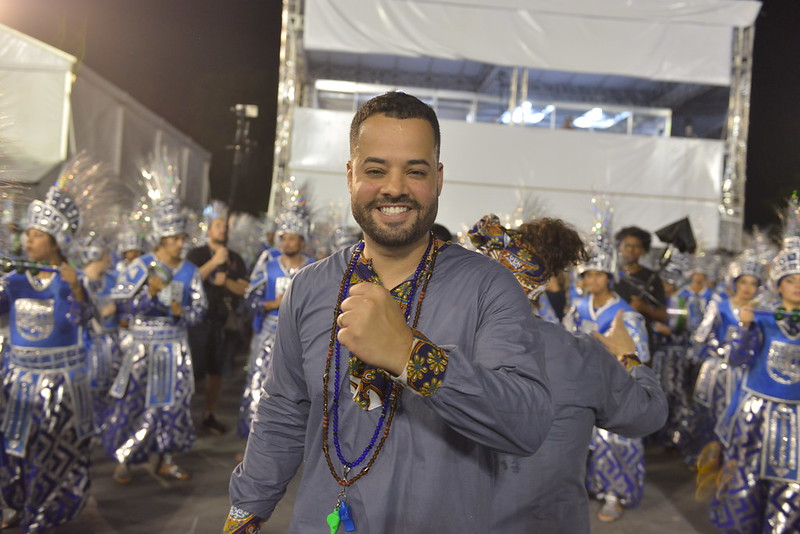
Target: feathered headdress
(77,194)
(601,248)
(296,215)
(162,180)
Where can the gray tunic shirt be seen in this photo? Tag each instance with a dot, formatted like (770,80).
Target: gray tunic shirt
(546,492)
(435,472)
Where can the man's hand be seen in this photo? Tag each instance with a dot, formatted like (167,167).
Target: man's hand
(220,256)
(219,278)
(746,316)
(175,308)
(155,284)
(374,329)
(617,340)
(68,274)
(108,310)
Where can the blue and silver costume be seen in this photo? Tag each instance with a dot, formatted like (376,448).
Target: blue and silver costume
(268,281)
(153,389)
(47,416)
(760,488)
(616,464)
(102,345)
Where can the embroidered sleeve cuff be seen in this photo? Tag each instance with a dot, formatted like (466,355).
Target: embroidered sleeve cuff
(426,367)
(241,522)
(630,360)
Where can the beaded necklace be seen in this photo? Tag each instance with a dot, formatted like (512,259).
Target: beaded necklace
(423,271)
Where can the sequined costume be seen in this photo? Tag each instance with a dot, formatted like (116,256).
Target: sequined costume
(47,421)
(761,433)
(671,363)
(152,391)
(101,339)
(268,281)
(616,463)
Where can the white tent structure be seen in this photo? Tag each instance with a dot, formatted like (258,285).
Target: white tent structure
(453,53)
(52,107)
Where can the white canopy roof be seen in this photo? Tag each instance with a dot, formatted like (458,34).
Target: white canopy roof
(669,40)
(35,84)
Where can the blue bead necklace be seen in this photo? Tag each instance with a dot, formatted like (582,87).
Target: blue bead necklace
(390,401)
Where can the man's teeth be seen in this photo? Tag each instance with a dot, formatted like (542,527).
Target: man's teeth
(393,210)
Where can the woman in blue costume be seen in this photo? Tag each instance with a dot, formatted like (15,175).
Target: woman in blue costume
(101,336)
(47,421)
(717,380)
(615,472)
(151,410)
(268,283)
(759,487)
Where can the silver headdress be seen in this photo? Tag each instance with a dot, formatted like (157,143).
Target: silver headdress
(216,209)
(787,261)
(92,247)
(674,272)
(296,215)
(600,245)
(162,180)
(77,188)
(746,264)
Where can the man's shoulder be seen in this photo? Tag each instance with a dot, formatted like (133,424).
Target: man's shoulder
(197,253)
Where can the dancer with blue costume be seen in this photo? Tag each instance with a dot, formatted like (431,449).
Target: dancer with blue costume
(759,487)
(268,283)
(47,421)
(717,380)
(101,336)
(151,412)
(615,471)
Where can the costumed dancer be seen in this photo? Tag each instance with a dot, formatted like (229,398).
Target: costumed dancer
(670,345)
(151,411)
(717,381)
(268,283)
(101,335)
(47,421)
(615,473)
(546,492)
(759,488)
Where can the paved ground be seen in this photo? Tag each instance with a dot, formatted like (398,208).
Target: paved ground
(199,506)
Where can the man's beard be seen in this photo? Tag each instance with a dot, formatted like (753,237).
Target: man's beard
(389,236)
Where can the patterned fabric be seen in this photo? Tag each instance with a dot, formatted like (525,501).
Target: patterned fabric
(241,522)
(43,495)
(260,358)
(135,430)
(746,503)
(510,250)
(616,466)
(368,384)
(426,366)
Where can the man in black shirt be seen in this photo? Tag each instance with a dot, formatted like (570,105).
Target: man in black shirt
(225,281)
(638,285)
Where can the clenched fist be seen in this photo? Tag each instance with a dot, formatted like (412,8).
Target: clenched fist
(372,326)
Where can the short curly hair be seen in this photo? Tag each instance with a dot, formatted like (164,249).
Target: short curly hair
(557,244)
(634,231)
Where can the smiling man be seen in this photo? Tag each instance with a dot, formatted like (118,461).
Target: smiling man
(400,363)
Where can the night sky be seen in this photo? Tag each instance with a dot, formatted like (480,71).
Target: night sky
(191,60)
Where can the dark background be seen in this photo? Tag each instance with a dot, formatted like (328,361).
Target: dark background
(191,60)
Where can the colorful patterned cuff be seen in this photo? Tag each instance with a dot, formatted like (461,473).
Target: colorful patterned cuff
(241,522)
(426,366)
(629,360)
